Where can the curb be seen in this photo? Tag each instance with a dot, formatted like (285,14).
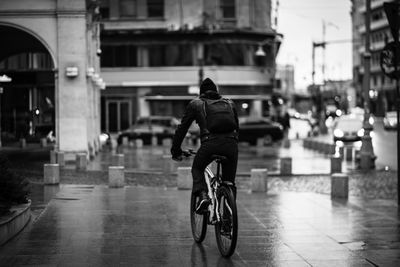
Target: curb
(12,224)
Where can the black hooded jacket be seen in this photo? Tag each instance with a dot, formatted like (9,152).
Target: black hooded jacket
(195,112)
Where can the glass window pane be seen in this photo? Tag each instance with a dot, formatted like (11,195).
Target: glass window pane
(112,117)
(124,111)
(127,8)
(155,8)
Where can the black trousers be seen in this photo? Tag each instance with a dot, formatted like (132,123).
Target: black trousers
(224,146)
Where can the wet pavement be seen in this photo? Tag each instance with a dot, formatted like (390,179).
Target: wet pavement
(86,225)
(158,159)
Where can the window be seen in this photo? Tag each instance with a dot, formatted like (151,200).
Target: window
(155,8)
(228,10)
(119,56)
(127,8)
(224,54)
(170,55)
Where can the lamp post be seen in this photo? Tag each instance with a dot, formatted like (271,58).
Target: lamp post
(367,156)
(3,79)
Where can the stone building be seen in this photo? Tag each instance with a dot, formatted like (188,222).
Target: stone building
(155,52)
(383,89)
(48,49)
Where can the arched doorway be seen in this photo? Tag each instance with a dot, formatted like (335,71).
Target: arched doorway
(28,101)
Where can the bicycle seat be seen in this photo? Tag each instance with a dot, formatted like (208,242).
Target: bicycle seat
(219,158)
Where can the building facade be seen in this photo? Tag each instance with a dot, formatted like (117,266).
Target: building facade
(155,53)
(382,95)
(48,50)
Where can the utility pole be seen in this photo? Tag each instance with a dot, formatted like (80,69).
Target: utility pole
(367,156)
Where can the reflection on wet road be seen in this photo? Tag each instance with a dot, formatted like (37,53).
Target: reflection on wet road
(143,226)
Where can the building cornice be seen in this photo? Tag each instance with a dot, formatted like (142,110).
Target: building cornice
(42,13)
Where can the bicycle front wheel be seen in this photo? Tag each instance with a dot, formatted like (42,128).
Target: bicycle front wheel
(197,221)
(226,231)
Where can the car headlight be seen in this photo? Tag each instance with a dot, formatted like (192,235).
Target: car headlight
(338,133)
(371,120)
(360,132)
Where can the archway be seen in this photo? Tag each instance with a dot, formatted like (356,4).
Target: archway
(28,101)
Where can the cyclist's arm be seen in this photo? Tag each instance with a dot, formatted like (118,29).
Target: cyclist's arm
(235,113)
(180,133)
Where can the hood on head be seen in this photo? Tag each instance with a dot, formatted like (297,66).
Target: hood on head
(207,85)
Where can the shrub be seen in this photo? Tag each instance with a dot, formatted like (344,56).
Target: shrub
(14,189)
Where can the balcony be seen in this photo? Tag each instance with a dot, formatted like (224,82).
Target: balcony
(185,76)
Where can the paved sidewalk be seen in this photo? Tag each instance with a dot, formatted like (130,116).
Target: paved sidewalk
(149,226)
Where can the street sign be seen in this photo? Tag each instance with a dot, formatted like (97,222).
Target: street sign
(392,11)
(388,60)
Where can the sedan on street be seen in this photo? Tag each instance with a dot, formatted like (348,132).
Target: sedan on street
(390,120)
(147,127)
(348,128)
(253,128)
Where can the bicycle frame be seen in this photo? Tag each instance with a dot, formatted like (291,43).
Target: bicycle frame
(213,182)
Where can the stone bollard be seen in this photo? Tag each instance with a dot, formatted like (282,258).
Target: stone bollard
(125,141)
(138,143)
(53,157)
(51,173)
(116,176)
(60,158)
(339,185)
(114,144)
(118,160)
(349,153)
(260,142)
(81,161)
(286,166)
(336,164)
(184,180)
(22,142)
(154,140)
(167,142)
(43,142)
(258,180)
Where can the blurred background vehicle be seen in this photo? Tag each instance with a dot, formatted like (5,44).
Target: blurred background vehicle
(145,127)
(105,139)
(253,128)
(390,120)
(348,128)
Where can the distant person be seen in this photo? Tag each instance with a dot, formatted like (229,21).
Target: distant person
(219,127)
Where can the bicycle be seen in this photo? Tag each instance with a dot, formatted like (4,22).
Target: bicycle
(222,212)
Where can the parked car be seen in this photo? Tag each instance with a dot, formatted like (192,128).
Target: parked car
(145,127)
(348,128)
(390,120)
(253,128)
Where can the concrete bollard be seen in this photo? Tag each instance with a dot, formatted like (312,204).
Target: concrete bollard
(51,173)
(43,142)
(339,185)
(60,158)
(336,164)
(184,180)
(22,142)
(348,151)
(125,141)
(116,176)
(260,142)
(286,166)
(167,142)
(53,157)
(258,180)
(138,143)
(118,160)
(154,140)
(81,161)
(114,144)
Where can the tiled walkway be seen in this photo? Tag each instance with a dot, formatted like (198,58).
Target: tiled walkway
(149,226)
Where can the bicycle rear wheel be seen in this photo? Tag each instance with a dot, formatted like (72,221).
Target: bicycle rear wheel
(226,231)
(197,221)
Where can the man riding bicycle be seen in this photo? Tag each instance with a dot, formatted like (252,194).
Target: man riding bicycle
(219,127)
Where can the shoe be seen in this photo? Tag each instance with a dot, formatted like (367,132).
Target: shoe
(203,203)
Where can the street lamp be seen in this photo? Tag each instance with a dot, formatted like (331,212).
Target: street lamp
(367,156)
(3,79)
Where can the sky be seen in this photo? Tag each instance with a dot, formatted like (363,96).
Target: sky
(301,23)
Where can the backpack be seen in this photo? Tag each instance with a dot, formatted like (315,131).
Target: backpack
(219,114)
